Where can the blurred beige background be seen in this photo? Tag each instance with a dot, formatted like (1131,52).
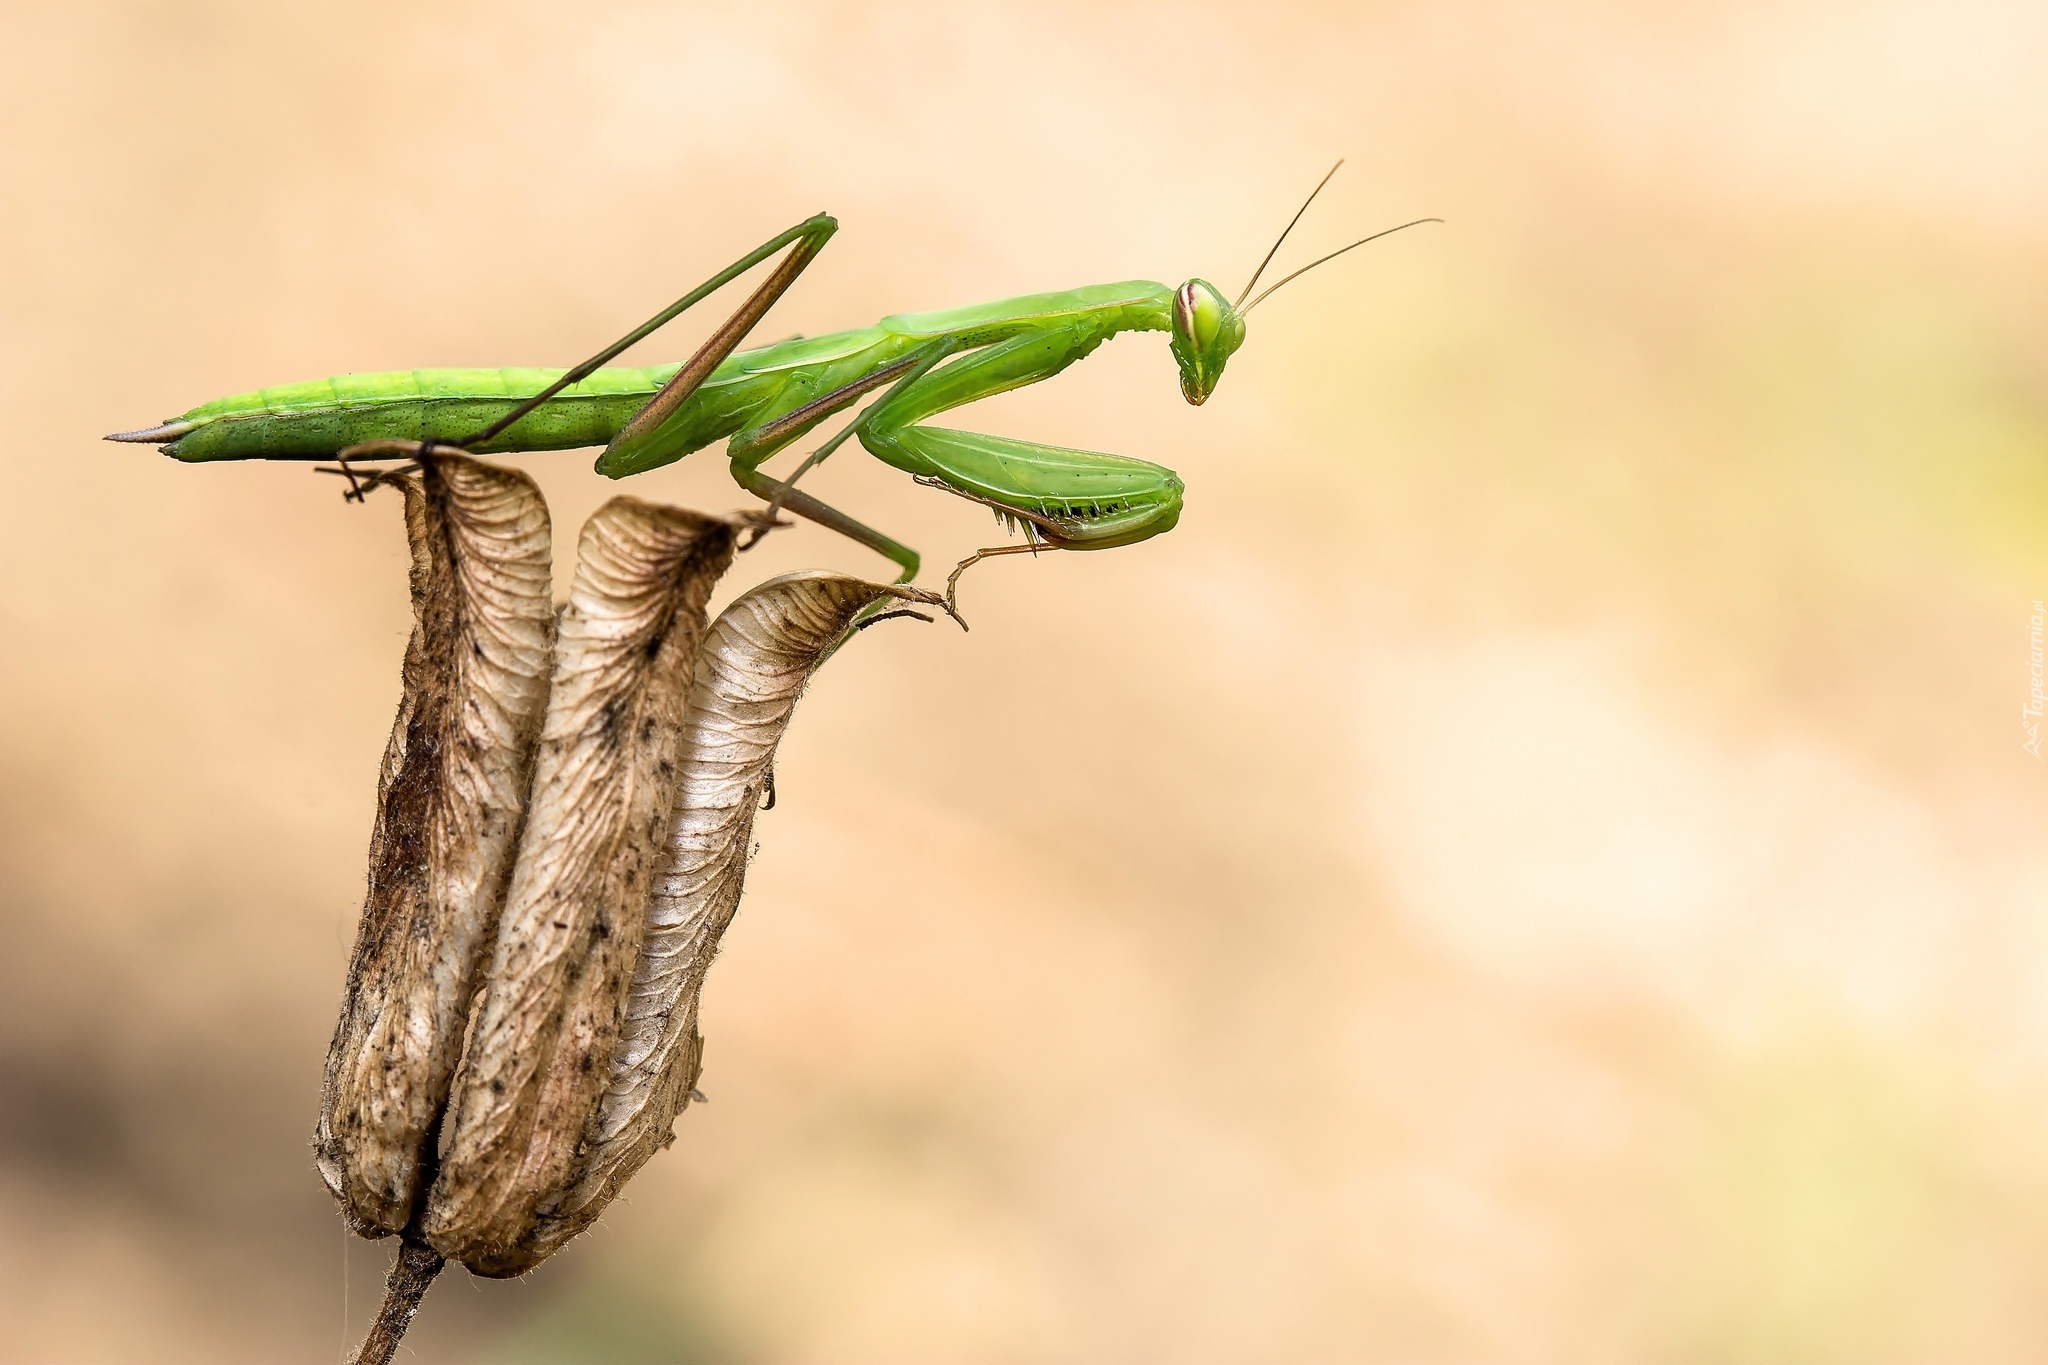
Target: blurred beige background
(1539,866)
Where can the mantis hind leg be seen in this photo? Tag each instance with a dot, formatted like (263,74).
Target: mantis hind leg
(809,238)
(628,448)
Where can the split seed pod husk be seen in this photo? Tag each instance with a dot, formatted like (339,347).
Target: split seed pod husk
(450,794)
(753,666)
(547,1024)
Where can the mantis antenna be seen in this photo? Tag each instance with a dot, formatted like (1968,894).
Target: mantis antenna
(1289,228)
(1331,257)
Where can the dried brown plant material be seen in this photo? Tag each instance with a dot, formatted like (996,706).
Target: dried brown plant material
(412,1274)
(449,800)
(754,664)
(541,1044)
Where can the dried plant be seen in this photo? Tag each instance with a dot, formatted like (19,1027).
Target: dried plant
(754,665)
(574,1011)
(449,802)
(548,1018)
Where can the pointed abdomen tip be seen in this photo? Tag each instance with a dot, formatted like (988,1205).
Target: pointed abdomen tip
(169,431)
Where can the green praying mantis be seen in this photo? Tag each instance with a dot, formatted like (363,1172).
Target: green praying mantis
(761,400)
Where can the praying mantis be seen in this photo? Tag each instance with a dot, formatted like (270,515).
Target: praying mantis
(759,401)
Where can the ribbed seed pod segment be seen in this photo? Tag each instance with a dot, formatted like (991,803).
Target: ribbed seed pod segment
(754,665)
(449,798)
(541,1045)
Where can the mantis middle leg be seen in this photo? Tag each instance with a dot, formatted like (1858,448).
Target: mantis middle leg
(748,449)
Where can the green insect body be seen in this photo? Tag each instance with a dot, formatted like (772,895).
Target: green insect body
(1094,500)
(313,421)
(760,400)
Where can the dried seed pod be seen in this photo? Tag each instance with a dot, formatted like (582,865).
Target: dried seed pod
(541,1044)
(754,664)
(449,798)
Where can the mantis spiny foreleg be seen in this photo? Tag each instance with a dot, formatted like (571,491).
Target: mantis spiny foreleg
(1066,499)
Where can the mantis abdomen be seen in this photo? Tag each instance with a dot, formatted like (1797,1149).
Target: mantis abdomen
(311,421)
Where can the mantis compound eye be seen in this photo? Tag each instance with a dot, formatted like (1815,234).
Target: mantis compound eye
(1206,331)
(1198,311)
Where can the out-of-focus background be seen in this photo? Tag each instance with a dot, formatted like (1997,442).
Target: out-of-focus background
(1540,866)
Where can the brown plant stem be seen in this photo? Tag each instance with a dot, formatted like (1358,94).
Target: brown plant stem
(411,1273)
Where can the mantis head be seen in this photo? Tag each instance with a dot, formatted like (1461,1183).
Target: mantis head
(1207,331)
(1208,328)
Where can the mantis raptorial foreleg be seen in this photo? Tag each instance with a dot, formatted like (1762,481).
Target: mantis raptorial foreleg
(1087,483)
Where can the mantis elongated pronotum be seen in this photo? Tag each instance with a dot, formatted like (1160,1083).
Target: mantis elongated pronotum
(761,400)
